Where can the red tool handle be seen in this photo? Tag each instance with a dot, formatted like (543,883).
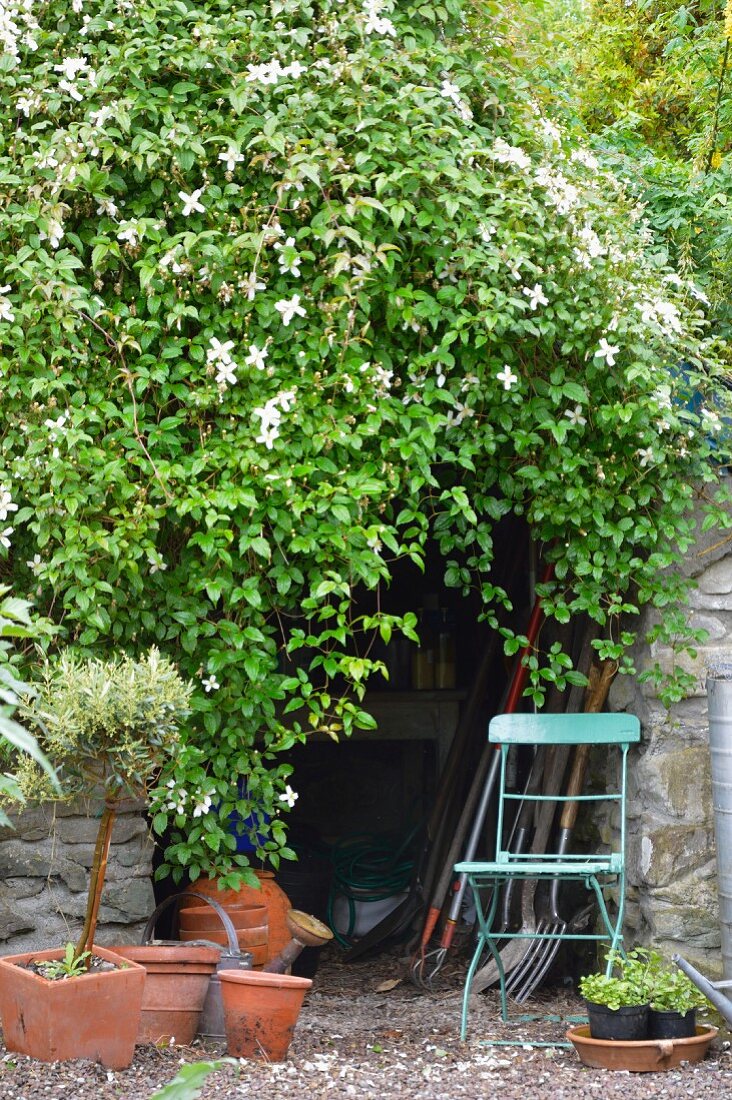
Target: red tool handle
(521,672)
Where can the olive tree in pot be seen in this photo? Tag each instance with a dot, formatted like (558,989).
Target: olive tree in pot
(107,726)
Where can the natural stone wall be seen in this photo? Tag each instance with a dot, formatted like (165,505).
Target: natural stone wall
(672,872)
(44,873)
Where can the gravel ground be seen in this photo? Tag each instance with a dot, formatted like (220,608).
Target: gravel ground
(366,1032)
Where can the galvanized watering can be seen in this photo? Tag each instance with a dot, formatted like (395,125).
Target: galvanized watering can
(713,991)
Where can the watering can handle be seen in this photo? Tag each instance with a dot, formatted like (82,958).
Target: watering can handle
(220,912)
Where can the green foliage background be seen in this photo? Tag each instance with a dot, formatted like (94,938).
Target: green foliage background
(651,81)
(191,470)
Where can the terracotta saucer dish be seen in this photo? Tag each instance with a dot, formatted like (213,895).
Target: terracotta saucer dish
(648,1056)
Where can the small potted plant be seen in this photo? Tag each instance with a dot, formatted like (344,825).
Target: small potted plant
(674,1000)
(107,726)
(618,1003)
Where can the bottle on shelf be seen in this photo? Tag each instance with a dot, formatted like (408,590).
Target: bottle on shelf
(423,655)
(445,653)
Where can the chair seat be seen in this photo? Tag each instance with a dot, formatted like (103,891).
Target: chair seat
(539,868)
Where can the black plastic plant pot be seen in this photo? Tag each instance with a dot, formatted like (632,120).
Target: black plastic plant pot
(628,1023)
(667,1024)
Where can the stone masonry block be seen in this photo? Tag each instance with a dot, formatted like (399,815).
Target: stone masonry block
(714,625)
(74,876)
(130,900)
(672,784)
(13,921)
(21,888)
(683,925)
(710,601)
(18,859)
(135,859)
(670,853)
(717,578)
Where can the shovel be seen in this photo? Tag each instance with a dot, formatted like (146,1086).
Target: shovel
(543,952)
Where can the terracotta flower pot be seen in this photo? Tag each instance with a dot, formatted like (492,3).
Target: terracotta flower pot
(203,918)
(94,1016)
(246,937)
(259,952)
(175,989)
(278,906)
(260,1012)
(269,894)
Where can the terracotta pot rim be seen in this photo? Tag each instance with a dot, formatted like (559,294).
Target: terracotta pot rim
(254,917)
(582,1034)
(277,981)
(107,953)
(236,907)
(255,937)
(194,904)
(170,953)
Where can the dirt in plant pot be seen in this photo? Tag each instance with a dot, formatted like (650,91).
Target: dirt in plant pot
(48,968)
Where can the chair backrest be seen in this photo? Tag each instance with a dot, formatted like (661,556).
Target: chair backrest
(583,731)
(564,729)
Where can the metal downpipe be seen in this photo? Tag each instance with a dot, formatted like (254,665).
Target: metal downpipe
(719,696)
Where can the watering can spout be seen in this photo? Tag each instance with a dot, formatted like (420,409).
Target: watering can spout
(306,931)
(711,990)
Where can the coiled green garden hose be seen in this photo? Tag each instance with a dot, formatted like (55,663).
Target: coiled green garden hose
(367,868)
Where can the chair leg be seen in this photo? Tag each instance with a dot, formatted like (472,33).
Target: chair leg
(485,939)
(614,928)
(501,978)
(468,983)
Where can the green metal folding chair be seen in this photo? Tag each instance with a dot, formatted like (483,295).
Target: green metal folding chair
(601,873)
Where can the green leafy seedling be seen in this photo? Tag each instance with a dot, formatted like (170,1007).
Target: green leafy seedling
(70,966)
(189,1080)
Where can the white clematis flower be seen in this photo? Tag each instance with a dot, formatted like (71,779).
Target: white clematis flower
(506,377)
(191,204)
(289,308)
(289,796)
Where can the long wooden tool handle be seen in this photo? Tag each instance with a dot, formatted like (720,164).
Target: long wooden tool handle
(600,678)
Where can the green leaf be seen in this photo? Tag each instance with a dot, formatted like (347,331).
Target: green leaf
(190,1079)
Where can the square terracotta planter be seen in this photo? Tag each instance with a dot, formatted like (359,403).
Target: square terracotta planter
(94,1016)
